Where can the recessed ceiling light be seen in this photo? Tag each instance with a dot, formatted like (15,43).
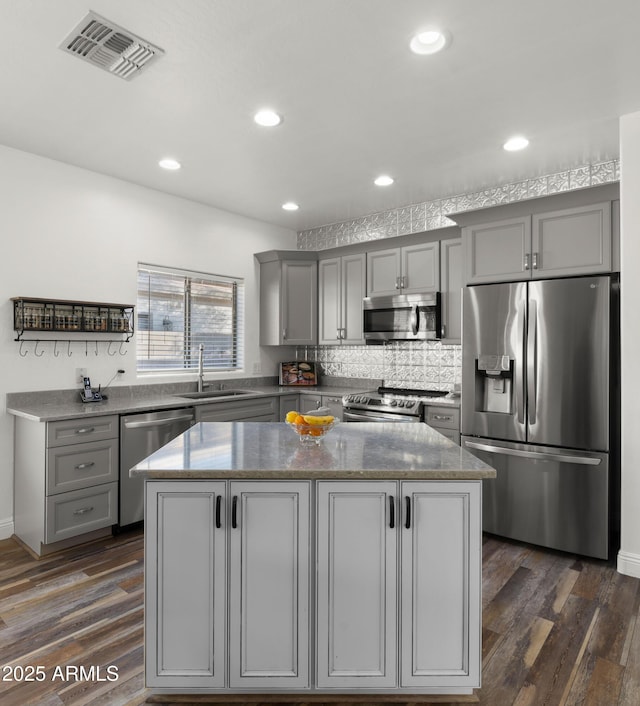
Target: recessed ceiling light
(514,144)
(383,180)
(290,206)
(267,118)
(169,163)
(429,41)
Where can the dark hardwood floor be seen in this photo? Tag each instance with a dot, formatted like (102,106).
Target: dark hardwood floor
(557,630)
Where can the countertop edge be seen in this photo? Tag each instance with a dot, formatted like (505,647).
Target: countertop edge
(369,474)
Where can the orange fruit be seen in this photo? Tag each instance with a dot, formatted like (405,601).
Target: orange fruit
(299,419)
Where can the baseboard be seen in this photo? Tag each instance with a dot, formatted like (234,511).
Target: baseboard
(629,564)
(6,528)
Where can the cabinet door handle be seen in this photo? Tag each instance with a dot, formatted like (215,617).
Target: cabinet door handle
(218,506)
(83,510)
(234,512)
(407,512)
(82,466)
(284,333)
(85,430)
(403,282)
(392,512)
(398,285)
(535,260)
(442,331)
(526,261)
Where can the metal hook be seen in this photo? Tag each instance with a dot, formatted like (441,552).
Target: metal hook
(24,355)
(121,351)
(69,351)
(35,350)
(56,352)
(109,349)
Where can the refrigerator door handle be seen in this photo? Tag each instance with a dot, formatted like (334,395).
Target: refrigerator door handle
(520,382)
(534,455)
(532,351)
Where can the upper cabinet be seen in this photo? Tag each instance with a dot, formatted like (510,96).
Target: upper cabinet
(451,290)
(341,289)
(406,270)
(564,242)
(288,298)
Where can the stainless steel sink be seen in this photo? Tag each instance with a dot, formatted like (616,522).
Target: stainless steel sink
(215,394)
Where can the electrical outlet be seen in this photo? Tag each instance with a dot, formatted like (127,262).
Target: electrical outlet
(257,368)
(81,373)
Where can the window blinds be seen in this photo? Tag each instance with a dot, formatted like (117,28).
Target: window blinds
(179,310)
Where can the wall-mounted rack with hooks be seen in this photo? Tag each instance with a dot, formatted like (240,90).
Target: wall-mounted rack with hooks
(65,316)
(66,347)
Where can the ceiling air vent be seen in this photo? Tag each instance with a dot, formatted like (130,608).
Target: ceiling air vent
(109,47)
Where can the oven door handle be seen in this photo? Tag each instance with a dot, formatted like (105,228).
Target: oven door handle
(368,417)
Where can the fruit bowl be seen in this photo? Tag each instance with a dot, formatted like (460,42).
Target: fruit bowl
(311,433)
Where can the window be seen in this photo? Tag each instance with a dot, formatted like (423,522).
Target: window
(178,311)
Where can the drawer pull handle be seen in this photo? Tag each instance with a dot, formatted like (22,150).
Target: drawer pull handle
(442,416)
(82,466)
(407,512)
(218,507)
(85,430)
(83,510)
(392,512)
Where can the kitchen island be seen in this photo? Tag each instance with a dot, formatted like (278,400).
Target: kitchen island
(275,567)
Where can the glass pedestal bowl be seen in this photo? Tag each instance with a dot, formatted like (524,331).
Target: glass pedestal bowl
(311,434)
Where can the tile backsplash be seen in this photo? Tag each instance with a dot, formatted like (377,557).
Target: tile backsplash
(422,365)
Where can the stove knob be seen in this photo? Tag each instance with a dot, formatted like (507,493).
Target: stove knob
(394,403)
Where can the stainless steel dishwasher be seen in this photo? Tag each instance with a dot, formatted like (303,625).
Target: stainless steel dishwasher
(141,435)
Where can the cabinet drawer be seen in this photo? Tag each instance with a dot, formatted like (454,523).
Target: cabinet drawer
(445,417)
(254,410)
(81,465)
(80,511)
(74,431)
(452,434)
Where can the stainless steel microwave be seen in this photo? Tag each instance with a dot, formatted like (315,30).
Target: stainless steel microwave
(402,317)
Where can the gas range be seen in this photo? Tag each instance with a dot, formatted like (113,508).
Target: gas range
(387,403)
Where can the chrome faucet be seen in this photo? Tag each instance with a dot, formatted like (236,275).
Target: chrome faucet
(200,367)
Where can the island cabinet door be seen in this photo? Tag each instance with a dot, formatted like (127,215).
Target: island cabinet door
(269,584)
(440,594)
(185,581)
(356,584)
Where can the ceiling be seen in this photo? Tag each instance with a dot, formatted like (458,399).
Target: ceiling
(356,102)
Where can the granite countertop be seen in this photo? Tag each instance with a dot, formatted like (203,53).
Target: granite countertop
(61,405)
(270,450)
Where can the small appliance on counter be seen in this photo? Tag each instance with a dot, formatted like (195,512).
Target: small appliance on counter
(88,394)
(298,373)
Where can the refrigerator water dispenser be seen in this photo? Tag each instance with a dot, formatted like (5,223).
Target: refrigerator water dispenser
(494,383)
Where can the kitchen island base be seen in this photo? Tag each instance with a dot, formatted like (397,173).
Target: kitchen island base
(304,588)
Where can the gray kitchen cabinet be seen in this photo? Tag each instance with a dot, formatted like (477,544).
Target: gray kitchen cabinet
(571,241)
(257,409)
(288,403)
(406,270)
(440,558)
(244,547)
(309,403)
(65,481)
(288,298)
(419,609)
(269,589)
(187,643)
(445,419)
(451,290)
(341,289)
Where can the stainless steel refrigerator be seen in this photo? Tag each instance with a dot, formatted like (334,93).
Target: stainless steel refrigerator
(539,404)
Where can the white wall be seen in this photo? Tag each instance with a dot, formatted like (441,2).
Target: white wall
(72,234)
(629,556)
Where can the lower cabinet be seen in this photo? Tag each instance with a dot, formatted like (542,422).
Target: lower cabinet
(445,419)
(230,596)
(260,590)
(421,539)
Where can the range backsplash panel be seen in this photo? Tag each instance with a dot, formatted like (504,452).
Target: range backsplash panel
(422,365)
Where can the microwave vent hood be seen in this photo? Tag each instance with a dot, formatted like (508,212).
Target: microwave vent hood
(106,45)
